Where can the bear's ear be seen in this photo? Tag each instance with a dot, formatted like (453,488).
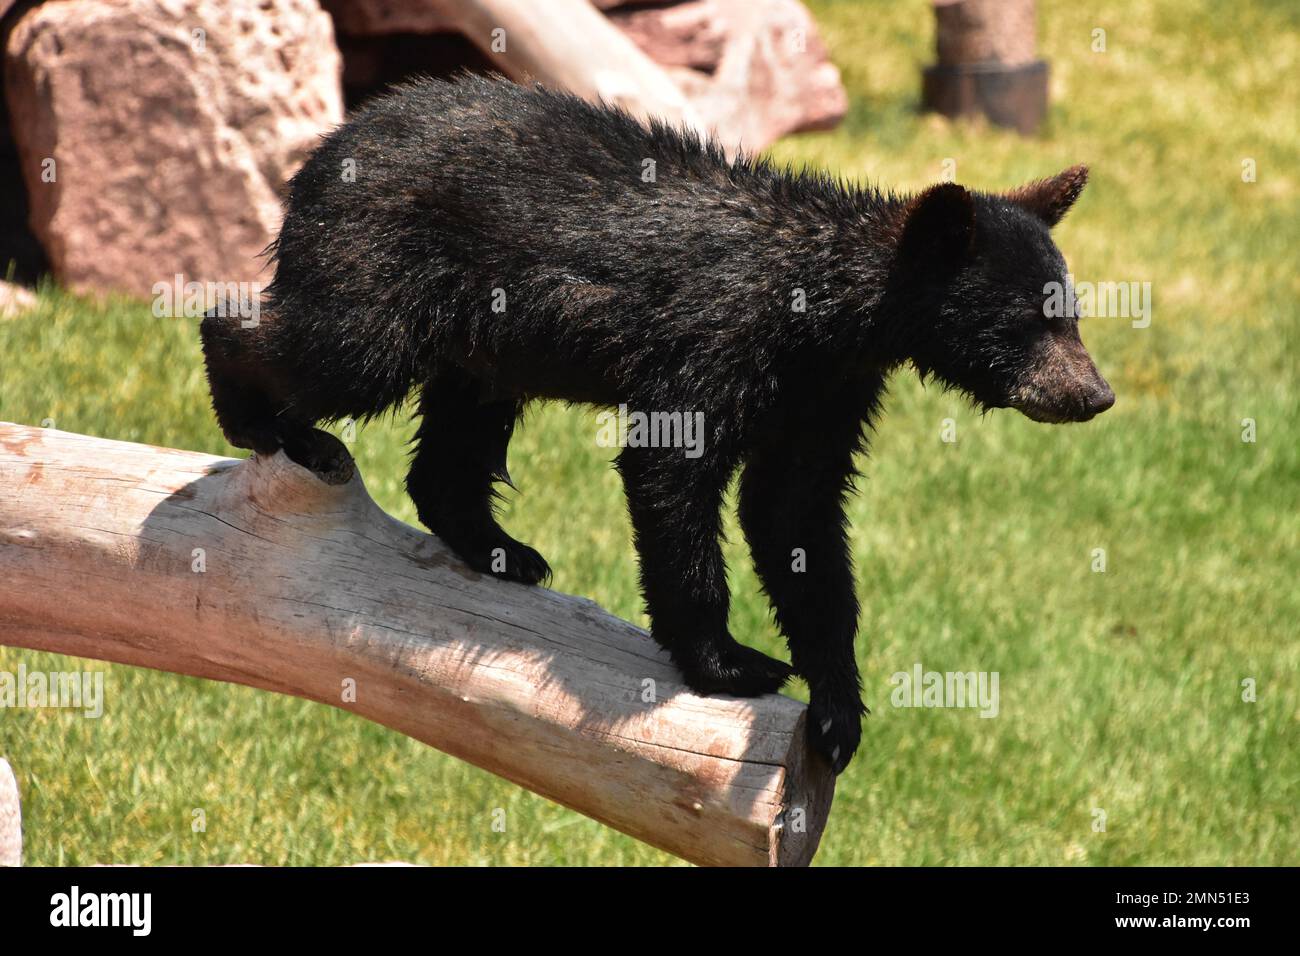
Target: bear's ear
(1051,199)
(938,227)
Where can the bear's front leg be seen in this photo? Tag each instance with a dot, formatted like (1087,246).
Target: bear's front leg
(792,512)
(675,505)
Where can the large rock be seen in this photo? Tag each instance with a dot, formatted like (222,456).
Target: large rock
(156,135)
(691,33)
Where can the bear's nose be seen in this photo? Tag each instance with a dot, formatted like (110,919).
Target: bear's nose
(1100,398)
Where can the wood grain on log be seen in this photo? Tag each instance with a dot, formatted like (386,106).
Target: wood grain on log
(570,45)
(258,573)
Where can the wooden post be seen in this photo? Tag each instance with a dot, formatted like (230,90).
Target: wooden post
(259,573)
(988,63)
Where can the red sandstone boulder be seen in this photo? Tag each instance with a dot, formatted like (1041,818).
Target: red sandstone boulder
(156,135)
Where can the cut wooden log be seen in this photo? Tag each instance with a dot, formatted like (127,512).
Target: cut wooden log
(259,573)
(11,818)
(570,45)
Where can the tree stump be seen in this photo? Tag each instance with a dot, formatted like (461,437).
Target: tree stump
(988,63)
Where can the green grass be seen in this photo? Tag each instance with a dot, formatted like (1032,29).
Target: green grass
(1119,690)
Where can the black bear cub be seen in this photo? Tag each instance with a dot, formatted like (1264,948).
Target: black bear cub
(495,244)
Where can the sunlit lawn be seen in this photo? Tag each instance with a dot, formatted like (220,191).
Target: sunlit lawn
(1121,692)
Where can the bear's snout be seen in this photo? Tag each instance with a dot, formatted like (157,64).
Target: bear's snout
(1063,385)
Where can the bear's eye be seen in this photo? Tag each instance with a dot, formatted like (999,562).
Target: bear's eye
(1058,302)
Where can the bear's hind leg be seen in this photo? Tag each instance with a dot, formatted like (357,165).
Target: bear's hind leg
(460,453)
(243,386)
(243,407)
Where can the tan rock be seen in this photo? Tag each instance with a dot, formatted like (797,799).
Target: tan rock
(156,135)
(774,76)
(692,33)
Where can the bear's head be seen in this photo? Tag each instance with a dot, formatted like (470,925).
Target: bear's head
(983,283)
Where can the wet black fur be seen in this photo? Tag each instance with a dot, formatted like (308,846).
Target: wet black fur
(671,295)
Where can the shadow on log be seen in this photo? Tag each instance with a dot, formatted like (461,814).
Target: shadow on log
(258,573)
